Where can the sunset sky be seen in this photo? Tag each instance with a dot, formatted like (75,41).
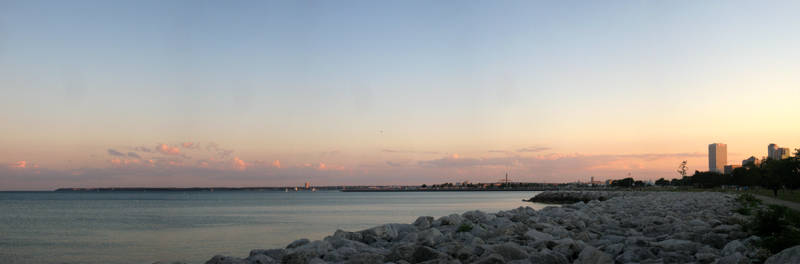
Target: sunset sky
(276,93)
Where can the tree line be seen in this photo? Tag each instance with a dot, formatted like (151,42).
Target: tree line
(773,174)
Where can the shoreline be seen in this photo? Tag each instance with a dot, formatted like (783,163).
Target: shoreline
(655,227)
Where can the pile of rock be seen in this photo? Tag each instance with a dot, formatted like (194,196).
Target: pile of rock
(566,197)
(644,228)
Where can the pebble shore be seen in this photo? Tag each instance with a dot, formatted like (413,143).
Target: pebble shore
(641,227)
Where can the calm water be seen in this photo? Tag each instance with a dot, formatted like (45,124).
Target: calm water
(138,227)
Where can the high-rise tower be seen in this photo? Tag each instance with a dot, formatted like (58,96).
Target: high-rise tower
(717,156)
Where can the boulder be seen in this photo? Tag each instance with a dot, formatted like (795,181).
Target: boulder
(423,222)
(733,247)
(365,258)
(591,255)
(789,255)
(298,243)
(510,251)
(276,254)
(536,235)
(219,259)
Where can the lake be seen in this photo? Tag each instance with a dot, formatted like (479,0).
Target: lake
(144,227)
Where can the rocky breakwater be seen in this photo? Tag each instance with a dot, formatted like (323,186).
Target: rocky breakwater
(567,197)
(651,227)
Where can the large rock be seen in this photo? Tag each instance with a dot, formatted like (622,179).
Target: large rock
(590,255)
(536,235)
(219,259)
(789,255)
(510,251)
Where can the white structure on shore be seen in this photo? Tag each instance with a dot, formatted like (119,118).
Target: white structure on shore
(717,157)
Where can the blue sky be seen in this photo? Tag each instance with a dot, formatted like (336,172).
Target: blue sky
(288,80)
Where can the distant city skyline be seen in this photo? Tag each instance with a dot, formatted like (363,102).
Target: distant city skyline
(265,93)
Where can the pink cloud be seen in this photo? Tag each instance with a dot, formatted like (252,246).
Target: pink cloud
(166,149)
(239,164)
(276,164)
(455,156)
(20,164)
(188,144)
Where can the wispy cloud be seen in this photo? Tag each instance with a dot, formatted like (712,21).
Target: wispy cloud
(143,149)
(168,150)
(239,164)
(114,152)
(20,164)
(533,149)
(134,155)
(408,151)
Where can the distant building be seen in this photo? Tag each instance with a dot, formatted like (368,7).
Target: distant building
(729,168)
(783,153)
(308,185)
(771,151)
(751,159)
(717,156)
(775,152)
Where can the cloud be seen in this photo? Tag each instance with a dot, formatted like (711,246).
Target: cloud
(395,164)
(20,164)
(166,149)
(239,164)
(220,152)
(276,164)
(190,145)
(408,151)
(533,149)
(113,152)
(143,149)
(134,155)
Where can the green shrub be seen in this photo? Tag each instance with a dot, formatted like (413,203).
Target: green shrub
(748,200)
(464,228)
(779,227)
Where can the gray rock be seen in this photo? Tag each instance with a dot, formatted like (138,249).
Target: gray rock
(423,222)
(276,254)
(219,259)
(547,257)
(429,237)
(423,253)
(590,255)
(402,252)
(298,243)
(735,258)
(365,258)
(510,251)
(678,245)
(705,258)
(789,255)
(733,247)
(536,235)
(491,259)
(261,259)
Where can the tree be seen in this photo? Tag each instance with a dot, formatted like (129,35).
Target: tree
(682,169)
(627,182)
(662,182)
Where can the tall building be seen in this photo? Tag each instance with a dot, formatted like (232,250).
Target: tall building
(772,151)
(775,152)
(717,157)
(782,153)
(751,159)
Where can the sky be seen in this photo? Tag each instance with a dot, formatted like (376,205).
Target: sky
(277,93)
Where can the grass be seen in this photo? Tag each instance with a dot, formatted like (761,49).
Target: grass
(778,226)
(786,195)
(464,228)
